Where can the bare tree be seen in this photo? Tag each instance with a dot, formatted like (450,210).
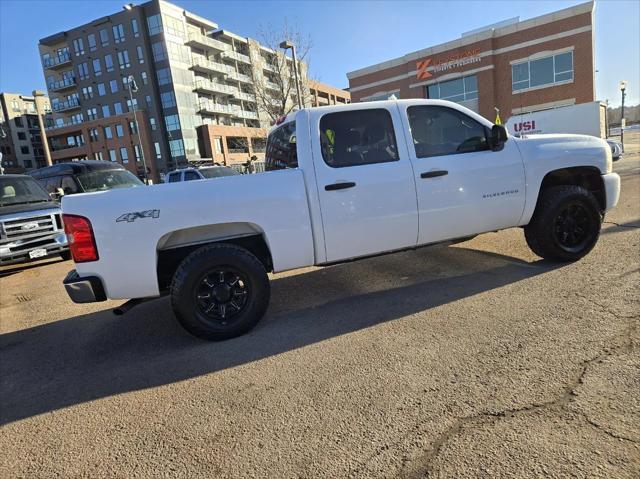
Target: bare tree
(276,91)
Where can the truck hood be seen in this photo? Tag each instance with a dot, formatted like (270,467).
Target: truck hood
(566,149)
(43,206)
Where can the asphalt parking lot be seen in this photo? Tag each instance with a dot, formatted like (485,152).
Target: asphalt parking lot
(474,360)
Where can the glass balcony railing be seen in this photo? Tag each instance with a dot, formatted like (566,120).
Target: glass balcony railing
(212,107)
(62,84)
(214,87)
(210,66)
(208,42)
(241,77)
(240,95)
(237,56)
(65,105)
(53,62)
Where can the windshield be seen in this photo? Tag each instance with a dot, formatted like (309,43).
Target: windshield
(218,172)
(17,190)
(107,180)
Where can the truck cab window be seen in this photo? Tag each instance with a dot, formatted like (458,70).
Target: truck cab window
(438,131)
(282,148)
(358,137)
(190,176)
(69,186)
(174,177)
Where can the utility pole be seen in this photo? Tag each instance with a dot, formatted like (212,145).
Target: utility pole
(623,89)
(39,97)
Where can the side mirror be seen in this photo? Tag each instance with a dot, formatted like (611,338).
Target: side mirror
(498,136)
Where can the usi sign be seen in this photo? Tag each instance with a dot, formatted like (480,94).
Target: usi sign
(524,126)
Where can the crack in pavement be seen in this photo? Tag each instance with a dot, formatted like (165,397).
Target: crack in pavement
(620,225)
(623,344)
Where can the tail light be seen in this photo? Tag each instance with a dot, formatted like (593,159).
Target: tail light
(80,236)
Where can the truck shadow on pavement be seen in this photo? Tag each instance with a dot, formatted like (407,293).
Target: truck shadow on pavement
(97,355)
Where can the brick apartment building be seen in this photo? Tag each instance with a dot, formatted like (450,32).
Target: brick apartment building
(515,66)
(195,97)
(20,137)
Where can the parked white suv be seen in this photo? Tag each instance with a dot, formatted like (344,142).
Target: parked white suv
(350,181)
(202,173)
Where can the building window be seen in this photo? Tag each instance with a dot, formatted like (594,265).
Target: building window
(123,59)
(108,62)
(136,152)
(97,68)
(542,71)
(91,40)
(139,54)
(174,26)
(159,51)
(353,138)
(119,131)
(156,147)
(92,114)
(172,122)
(164,76)
(113,85)
(148,101)
(176,147)
(124,154)
(101,89)
(134,28)
(22,135)
(132,103)
(104,37)
(105,111)
(133,128)
(155,24)
(152,123)
(117,108)
(118,33)
(107,132)
(93,134)
(78,46)
(98,156)
(145,79)
(458,90)
(112,155)
(83,71)
(24,150)
(168,99)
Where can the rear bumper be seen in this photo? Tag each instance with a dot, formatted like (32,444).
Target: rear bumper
(88,289)
(612,190)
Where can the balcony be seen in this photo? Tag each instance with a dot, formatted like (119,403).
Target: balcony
(272,86)
(65,105)
(217,108)
(213,87)
(56,62)
(211,67)
(241,77)
(61,85)
(237,56)
(207,42)
(240,95)
(248,115)
(270,67)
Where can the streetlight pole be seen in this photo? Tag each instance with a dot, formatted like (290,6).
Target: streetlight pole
(286,45)
(131,84)
(623,88)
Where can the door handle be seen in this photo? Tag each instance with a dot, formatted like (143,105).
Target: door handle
(434,174)
(340,186)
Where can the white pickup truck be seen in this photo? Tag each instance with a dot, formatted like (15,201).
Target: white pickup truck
(343,182)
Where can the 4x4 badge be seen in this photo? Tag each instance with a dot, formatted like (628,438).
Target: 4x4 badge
(131,217)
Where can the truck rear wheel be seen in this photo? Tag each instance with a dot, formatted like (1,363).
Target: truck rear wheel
(219,292)
(565,225)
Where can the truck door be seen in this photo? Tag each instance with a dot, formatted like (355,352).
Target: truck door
(365,182)
(463,186)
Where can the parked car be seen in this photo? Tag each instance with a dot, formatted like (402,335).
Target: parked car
(202,173)
(350,181)
(30,222)
(84,177)
(616,149)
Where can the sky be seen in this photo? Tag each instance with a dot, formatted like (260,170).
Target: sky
(346,35)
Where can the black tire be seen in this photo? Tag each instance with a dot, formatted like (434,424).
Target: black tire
(241,285)
(66,255)
(565,225)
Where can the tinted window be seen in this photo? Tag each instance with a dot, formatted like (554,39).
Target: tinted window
(68,185)
(218,172)
(174,177)
(439,131)
(52,184)
(360,137)
(191,175)
(281,148)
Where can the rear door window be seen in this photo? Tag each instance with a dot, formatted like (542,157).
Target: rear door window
(360,137)
(52,184)
(174,177)
(191,175)
(282,148)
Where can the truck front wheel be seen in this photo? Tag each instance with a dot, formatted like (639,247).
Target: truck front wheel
(219,292)
(565,225)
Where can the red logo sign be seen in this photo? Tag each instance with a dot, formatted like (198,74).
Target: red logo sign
(421,67)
